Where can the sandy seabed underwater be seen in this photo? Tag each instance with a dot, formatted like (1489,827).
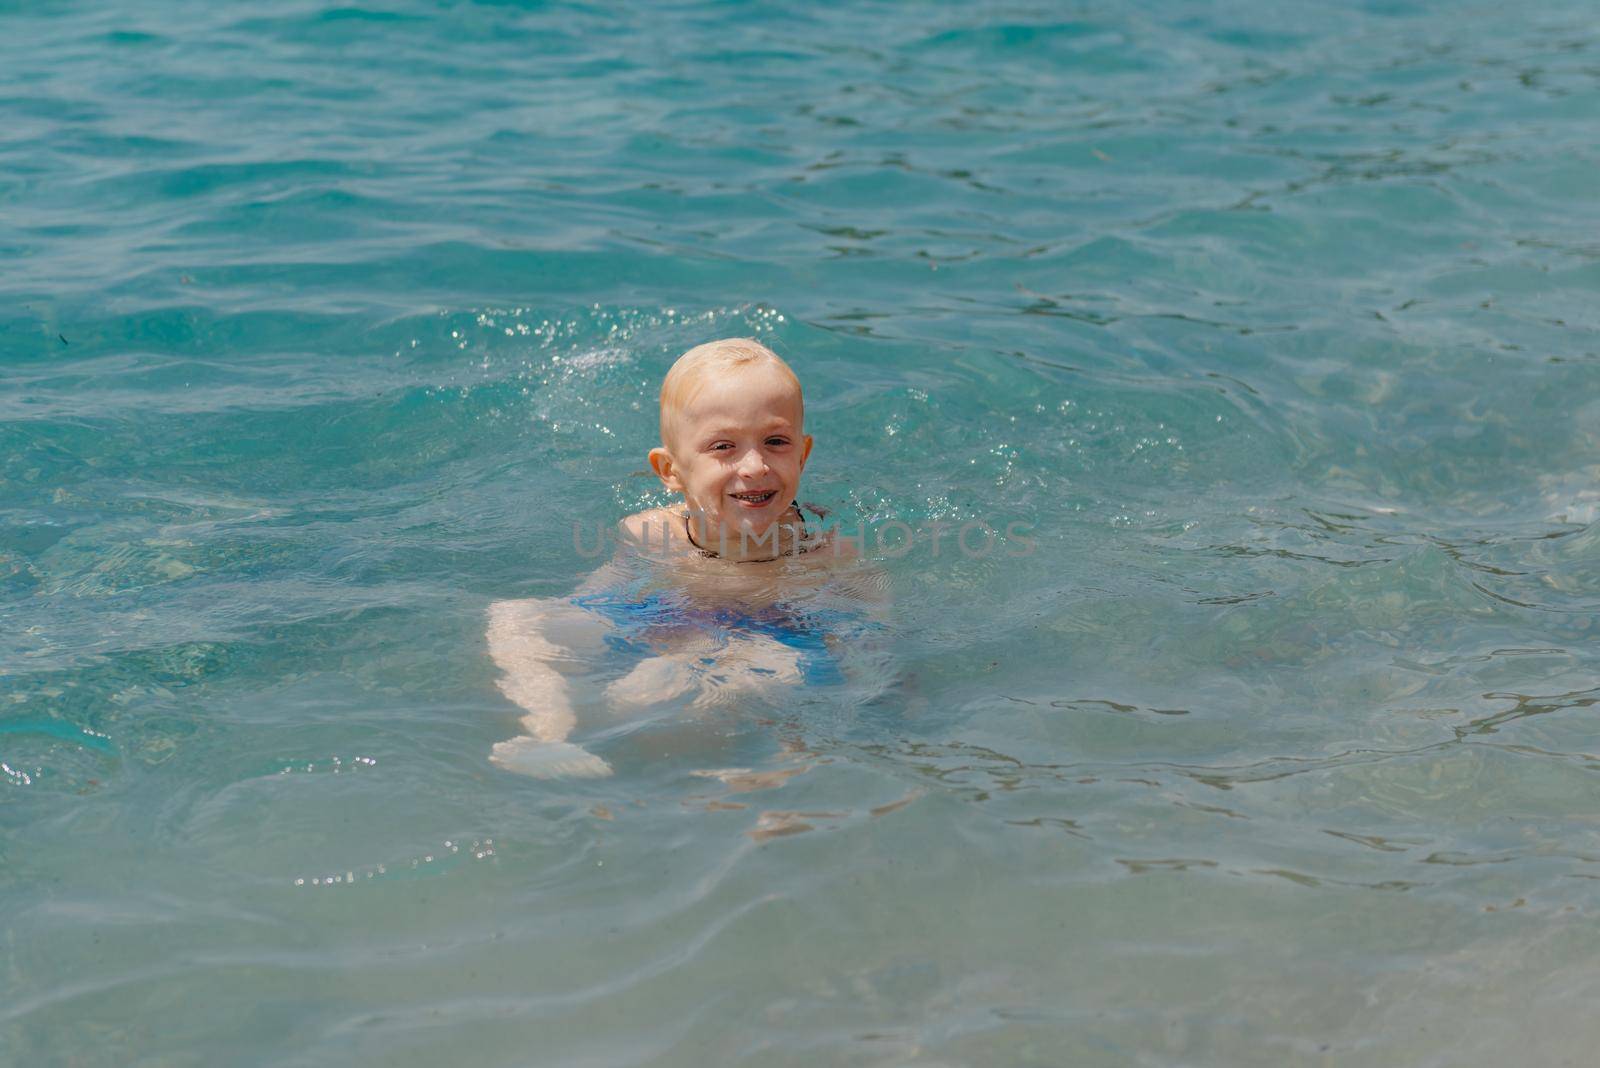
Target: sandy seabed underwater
(321,327)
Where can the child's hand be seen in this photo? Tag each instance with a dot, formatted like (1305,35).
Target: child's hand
(526,755)
(660,678)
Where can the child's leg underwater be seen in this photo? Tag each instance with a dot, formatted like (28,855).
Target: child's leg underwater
(751,667)
(530,641)
(724,670)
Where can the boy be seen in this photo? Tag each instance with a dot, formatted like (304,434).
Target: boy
(713,611)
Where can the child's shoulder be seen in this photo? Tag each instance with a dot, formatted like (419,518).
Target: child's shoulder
(654,525)
(830,548)
(826,540)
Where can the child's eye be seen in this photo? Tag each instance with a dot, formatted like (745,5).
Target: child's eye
(721,446)
(777,441)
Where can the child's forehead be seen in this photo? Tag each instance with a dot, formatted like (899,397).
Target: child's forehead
(746,391)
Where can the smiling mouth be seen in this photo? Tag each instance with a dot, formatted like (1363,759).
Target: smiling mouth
(755,499)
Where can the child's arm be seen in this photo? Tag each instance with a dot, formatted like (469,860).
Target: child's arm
(520,643)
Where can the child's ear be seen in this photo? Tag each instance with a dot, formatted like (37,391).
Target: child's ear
(661,463)
(805,450)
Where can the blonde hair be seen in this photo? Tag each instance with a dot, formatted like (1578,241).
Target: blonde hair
(685,378)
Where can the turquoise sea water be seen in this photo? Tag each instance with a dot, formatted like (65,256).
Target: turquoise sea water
(321,326)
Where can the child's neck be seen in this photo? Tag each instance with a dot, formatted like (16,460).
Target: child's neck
(785,537)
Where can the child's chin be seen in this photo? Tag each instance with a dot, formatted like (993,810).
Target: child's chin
(749,528)
(757,524)
(741,518)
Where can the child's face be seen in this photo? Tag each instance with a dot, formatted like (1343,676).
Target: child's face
(736,450)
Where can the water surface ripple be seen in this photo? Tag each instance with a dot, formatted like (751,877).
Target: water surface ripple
(322,326)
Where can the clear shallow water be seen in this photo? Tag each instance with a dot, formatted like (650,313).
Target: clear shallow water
(321,326)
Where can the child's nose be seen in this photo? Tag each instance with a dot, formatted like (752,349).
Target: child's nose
(752,463)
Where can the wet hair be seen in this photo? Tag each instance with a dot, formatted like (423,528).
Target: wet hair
(685,378)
